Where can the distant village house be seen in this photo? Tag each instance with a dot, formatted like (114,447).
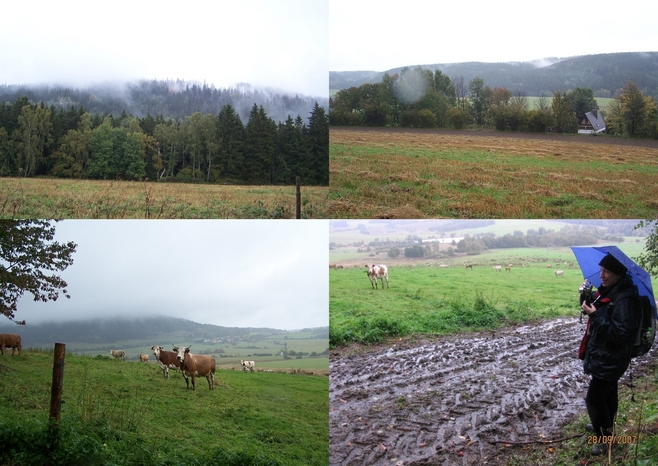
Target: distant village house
(592,123)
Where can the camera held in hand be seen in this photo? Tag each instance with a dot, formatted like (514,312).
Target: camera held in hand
(586,294)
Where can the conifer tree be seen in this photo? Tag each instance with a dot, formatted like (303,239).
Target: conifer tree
(260,147)
(230,142)
(318,141)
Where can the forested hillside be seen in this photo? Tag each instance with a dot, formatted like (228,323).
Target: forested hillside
(196,134)
(110,330)
(166,99)
(603,73)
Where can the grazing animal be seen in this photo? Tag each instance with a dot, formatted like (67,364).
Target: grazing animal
(497,268)
(196,364)
(118,354)
(377,272)
(248,365)
(508,268)
(10,340)
(559,273)
(469,266)
(143,358)
(166,359)
(549,266)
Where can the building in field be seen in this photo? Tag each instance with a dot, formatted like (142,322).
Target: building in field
(592,123)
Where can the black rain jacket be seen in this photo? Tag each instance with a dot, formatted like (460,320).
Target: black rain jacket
(612,331)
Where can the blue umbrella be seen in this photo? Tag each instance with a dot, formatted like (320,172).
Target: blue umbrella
(589,257)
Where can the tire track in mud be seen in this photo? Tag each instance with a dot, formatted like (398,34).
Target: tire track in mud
(443,402)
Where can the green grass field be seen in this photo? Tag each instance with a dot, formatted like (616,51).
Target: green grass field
(435,300)
(265,349)
(118,412)
(532,102)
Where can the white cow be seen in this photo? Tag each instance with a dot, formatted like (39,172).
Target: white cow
(559,273)
(118,354)
(377,272)
(248,365)
(497,268)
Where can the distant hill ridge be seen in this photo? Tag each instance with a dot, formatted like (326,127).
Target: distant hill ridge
(105,331)
(603,73)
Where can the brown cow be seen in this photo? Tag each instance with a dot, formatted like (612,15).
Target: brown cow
(196,364)
(10,340)
(166,359)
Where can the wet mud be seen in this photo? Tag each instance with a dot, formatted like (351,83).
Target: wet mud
(453,401)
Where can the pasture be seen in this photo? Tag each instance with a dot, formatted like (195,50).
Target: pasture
(398,173)
(426,298)
(307,352)
(65,198)
(118,412)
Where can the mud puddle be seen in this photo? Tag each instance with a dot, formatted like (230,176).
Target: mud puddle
(449,401)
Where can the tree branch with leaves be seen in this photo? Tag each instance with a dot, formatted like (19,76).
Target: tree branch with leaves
(649,258)
(29,262)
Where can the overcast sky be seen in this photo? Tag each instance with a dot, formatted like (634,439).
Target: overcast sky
(281,44)
(232,273)
(379,35)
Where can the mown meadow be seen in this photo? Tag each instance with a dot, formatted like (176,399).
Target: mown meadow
(438,300)
(124,413)
(385,173)
(65,198)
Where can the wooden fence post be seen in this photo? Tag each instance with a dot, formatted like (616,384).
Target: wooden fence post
(298,198)
(56,393)
(58,377)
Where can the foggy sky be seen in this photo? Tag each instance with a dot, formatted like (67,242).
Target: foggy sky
(232,273)
(280,44)
(378,35)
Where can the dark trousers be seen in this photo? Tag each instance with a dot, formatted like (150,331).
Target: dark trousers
(602,401)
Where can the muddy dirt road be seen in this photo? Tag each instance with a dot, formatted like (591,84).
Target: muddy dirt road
(445,401)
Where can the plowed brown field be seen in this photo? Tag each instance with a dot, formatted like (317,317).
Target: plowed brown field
(397,173)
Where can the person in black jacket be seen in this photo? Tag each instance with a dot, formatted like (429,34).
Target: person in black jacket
(614,323)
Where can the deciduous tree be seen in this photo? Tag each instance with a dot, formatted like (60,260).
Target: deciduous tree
(649,258)
(564,118)
(28,255)
(32,136)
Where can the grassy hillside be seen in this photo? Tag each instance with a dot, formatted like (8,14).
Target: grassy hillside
(118,412)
